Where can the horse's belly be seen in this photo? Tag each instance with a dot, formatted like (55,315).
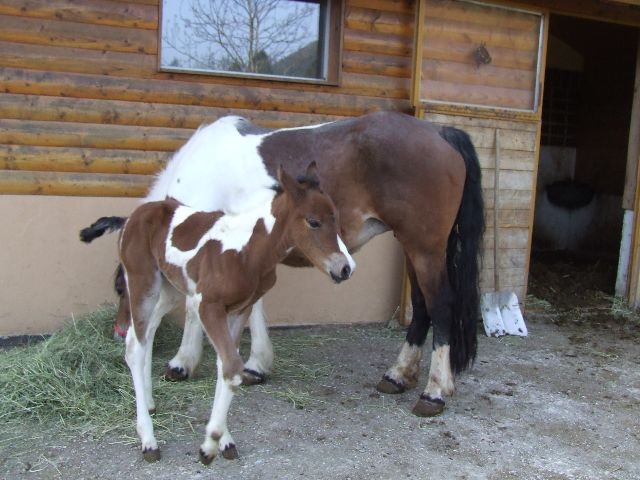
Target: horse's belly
(369,229)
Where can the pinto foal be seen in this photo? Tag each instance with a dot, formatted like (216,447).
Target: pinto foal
(222,264)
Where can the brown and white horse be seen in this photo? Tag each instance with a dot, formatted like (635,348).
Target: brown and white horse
(222,264)
(384,171)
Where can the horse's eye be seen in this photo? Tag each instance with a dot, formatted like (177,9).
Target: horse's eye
(312,223)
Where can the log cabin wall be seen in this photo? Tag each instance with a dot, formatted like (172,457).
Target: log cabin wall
(84,109)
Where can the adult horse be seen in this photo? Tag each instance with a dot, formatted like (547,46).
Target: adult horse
(384,171)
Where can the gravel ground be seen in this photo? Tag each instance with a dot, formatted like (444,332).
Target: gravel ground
(563,403)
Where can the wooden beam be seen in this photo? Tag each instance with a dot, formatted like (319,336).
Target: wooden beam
(59,33)
(146,114)
(100,12)
(73,184)
(81,160)
(86,135)
(590,9)
(633,149)
(214,92)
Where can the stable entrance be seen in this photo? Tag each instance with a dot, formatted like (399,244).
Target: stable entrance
(587,110)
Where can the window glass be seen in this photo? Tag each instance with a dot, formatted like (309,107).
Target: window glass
(282,38)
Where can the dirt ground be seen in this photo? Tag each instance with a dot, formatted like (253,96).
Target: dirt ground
(563,403)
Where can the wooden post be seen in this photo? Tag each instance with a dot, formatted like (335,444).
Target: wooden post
(631,190)
(416,102)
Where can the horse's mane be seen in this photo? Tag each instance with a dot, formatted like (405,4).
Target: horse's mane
(310,182)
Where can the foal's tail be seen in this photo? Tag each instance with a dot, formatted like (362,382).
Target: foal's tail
(100,226)
(464,255)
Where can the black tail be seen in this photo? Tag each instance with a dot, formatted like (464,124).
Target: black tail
(100,226)
(464,255)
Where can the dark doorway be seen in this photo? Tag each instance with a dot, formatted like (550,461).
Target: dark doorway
(586,114)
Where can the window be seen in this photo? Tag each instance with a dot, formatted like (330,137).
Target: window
(286,39)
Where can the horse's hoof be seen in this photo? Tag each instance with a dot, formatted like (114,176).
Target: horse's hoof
(175,374)
(390,386)
(252,377)
(206,459)
(428,407)
(151,455)
(231,452)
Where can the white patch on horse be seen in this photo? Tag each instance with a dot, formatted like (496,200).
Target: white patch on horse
(232,231)
(217,169)
(261,358)
(217,432)
(345,251)
(190,350)
(407,367)
(440,377)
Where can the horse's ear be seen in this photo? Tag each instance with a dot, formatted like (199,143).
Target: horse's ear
(287,182)
(312,171)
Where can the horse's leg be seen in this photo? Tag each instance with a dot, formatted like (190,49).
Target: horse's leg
(167,301)
(144,297)
(230,367)
(186,360)
(123,316)
(261,359)
(432,277)
(404,373)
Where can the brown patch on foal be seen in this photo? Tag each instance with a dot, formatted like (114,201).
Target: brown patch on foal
(187,235)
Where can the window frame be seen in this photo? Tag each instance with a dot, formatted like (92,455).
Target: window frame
(332,52)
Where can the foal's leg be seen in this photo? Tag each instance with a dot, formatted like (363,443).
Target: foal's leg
(184,364)
(261,359)
(404,373)
(230,367)
(168,299)
(146,313)
(432,277)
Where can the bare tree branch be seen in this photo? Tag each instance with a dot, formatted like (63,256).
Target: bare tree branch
(240,35)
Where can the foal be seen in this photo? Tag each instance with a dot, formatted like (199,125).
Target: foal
(222,264)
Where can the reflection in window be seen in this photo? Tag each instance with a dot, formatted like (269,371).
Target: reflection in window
(284,38)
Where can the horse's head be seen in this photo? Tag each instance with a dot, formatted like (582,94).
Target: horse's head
(313,225)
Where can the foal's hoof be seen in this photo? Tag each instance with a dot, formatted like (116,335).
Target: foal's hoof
(390,386)
(428,407)
(252,377)
(151,455)
(206,459)
(230,452)
(175,374)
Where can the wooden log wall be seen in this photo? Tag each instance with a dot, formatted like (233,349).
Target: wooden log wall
(84,109)
(454,30)
(518,158)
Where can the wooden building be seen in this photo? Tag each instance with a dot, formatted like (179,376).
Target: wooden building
(89,111)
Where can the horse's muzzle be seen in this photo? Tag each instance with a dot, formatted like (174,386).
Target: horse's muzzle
(342,274)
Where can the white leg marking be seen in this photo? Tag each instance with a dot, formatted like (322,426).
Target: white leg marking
(190,350)
(440,376)
(217,434)
(407,367)
(261,358)
(166,302)
(136,355)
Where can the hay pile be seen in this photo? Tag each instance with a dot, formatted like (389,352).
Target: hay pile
(78,377)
